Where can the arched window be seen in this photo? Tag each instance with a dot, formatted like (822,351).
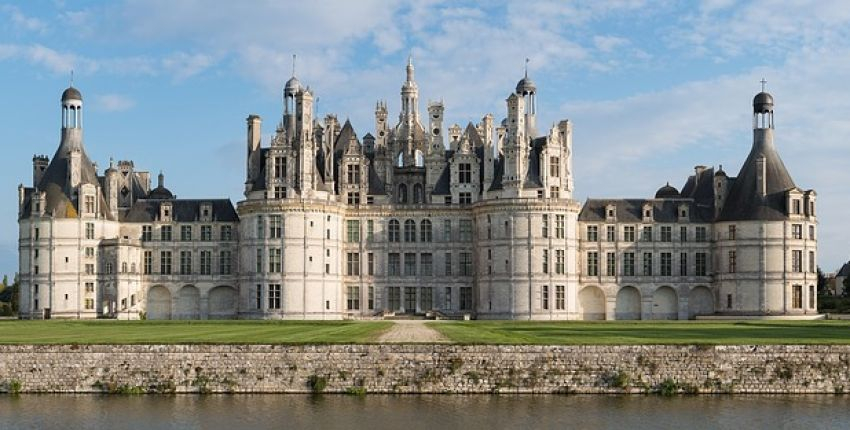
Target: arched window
(410,231)
(394,231)
(419,159)
(425,232)
(417,193)
(402,193)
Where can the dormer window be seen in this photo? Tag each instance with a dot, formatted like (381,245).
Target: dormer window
(611,213)
(647,212)
(796,206)
(683,212)
(165,212)
(206,212)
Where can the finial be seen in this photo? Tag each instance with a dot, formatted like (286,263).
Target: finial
(161,179)
(526,67)
(293,65)
(410,58)
(763,81)
(110,162)
(72,78)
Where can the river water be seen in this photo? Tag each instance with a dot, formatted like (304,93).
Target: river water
(374,412)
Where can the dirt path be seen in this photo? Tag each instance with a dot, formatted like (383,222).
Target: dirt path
(411,331)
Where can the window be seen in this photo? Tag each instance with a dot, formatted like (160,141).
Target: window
(185,262)
(447,200)
(426,232)
(646,235)
(147,233)
(279,192)
(797,207)
(206,262)
(812,265)
(559,297)
(729,301)
(147,262)
(89,230)
(370,264)
(426,264)
(447,230)
(593,263)
(352,229)
(394,264)
(545,225)
(554,167)
(647,264)
(683,264)
(89,287)
(165,233)
(544,296)
(811,232)
(666,233)
(185,232)
(226,232)
(394,298)
(224,263)
(426,298)
(554,191)
(464,198)
(465,298)
(279,167)
(410,231)
(275,227)
(409,264)
(796,261)
(629,233)
(733,263)
(352,264)
(683,234)
(465,230)
(610,264)
(797,231)
(352,174)
(464,173)
(448,263)
(701,264)
(559,261)
(89,304)
(545,261)
(592,233)
(370,230)
(448,298)
(274,296)
(89,205)
(259,296)
(89,269)
(89,252)
(559,226)
(352,296)
(206,232)
(165,262)
(733,232)
(371,298)
(797,296)
(610,233)
(261,229)
(465,264)
(274,260)
(394,231)
(259,260)
(628,264)
(701,234)
(353,198)
(666,264)
(812,296)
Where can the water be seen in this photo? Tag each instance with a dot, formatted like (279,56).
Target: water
(376,412)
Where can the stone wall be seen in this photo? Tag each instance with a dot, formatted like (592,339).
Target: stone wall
(424,369)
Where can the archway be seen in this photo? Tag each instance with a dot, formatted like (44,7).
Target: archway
(700,302)
(402,193)
(222,302)
(591,304)
(419,159)
(188,303)
(665,304)
(628,304)
(159,303)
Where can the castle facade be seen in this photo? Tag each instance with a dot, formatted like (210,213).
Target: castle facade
(417,218)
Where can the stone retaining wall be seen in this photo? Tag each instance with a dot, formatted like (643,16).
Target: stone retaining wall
(423,369)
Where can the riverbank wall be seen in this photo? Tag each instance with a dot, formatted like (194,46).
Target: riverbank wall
(419,368)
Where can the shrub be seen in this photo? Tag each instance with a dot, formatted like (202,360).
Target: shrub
(668,387)
(317,383)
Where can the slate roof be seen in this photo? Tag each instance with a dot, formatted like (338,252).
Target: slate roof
(845,270)
(631,210)
(182,210)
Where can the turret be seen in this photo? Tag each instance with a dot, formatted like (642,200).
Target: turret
(39,165)
(304,133)
(111,185)
(253,158)
(487,137)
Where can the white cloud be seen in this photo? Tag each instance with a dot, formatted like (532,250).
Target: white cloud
(113,102)
(23,22)
(609,43)
(182,65)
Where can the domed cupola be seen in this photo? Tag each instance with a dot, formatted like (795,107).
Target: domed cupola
(667,192)
(71,94)
(525,86)
(763,103)
(160,192)
(293,85)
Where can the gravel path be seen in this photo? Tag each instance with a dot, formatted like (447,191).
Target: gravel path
(411,331)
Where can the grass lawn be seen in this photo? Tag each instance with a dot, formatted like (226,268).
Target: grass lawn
(646,332)
(187,332)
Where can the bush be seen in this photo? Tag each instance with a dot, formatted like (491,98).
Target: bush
(668,388)
(317,383)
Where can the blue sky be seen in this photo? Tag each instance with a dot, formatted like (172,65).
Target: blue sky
(653,88)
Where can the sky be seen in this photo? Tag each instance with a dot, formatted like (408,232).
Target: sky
(653,88)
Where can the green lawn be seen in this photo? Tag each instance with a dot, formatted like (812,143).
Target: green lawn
(646,332)
(198,332)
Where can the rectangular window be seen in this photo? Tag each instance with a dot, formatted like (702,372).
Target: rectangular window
(610,233)
(165,262)
(701,234)
(274,296)
(426,298)
(261,228)
(259,260)
(797,206)
(465,230)
(352,264)
(206,233)
(544,296)
(275,227)
(465,298)
(683,234)
(274,260)
(611,264)
(394,264)
(559,261)
(646,235)
(666,233)
(464,198)
(812,265)
(733,263)
(89,230)
(733,232)
(464,171)
(147,233)
(447,230)
(559,226)
(352,174)
(259,296)
(224,263)
(628,264)
(545,226)
(89,287)
(554,167)
(647,264)
(683,264)
(545,261)
(206,262)
(89,304)
(797,231)
(811,296)
(666,264)
(448,298)
(147,262)
(701,264)
(352,229)
(185,262)
(811,232)
(89,204)
(352,296)
(797,296)
(448,264)
(729,301)
(279,167)
(370,264)
(593,263)
(353,198)
(465,264)
(371,299)
(559,297)
(185,232)
(279,192)
(796,261)
(394,298)
(226,232)
(409,264)
(426,264)
(370,230)
(629,233)
(592,233)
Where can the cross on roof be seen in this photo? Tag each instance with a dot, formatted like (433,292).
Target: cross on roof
(763,81)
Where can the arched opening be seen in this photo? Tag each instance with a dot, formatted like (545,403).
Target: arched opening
(222,303)
(419,158)
(394,231)
(417,193)
(188,303)
(665,304)
(410,231)
(159,303)
(700,302)
(628,304)
(591,304)
(400,159)
(402,193)
(425,231)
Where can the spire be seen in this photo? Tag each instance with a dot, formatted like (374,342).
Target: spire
(160,179)
(763,81)
(410,67)
(293,65)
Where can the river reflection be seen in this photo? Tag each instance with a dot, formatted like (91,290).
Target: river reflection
(422,412)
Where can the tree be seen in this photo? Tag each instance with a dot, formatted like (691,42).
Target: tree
(847,286)
(822,283)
